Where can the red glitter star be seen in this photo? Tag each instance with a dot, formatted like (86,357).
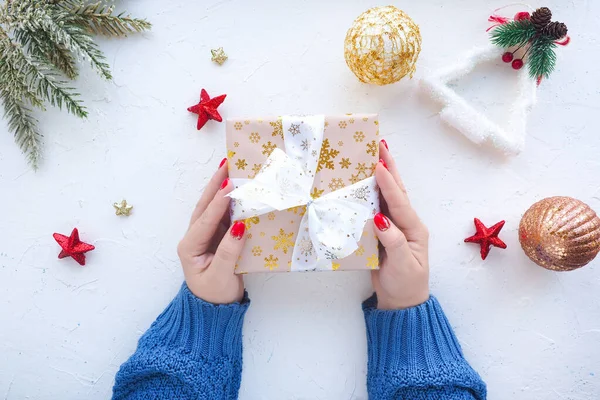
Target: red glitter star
(207,108)
(72,246)
(487,237)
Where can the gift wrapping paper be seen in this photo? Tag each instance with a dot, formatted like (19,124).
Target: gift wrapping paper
(348,155)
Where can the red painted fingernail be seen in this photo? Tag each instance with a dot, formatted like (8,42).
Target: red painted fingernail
(383,163)
(381,222)
(225,183)
(384,143)
(238,229)
(223,161)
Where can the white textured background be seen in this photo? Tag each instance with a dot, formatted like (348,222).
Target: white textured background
(64,330)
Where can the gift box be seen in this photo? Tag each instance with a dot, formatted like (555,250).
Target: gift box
(304,186)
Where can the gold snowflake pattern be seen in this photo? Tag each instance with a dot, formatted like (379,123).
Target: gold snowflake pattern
(360,251)
(230,154)
(354,178)
(326,124)
(336,184)
(236,144)
(277,128)
(373,261)
(359,136)
(255,170)
(238,126)
(365,119)
(361,169)
(351,120)
(343,124)
(271,216)
(345,163)
(283,241)
(247,122)
(262,234)
(241,164)
(373,166)
(268,148)
(254,137)
(340,143)
(256,251)
(249,236)
(335,265)
(294,129)
(316,193)
(372,148)
(251,221)
(271,262)
(300,210)
(327,155)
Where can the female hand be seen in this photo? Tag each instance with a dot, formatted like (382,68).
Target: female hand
(403,278)
(210,249)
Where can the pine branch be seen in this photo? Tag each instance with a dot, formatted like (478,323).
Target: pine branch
(64,30)
(23,125)
(542,58)
(40,45)
(41,76)
(98,19)
(513,33)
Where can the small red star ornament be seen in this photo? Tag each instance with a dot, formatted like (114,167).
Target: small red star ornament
(207,108)
(72,246)
(487,237)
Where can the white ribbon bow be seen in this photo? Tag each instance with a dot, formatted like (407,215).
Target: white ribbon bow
(333,224)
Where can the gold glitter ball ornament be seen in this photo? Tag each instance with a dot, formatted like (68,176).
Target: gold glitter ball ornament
(382,46)
(560,233)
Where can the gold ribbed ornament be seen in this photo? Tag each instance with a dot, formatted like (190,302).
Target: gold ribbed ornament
(560,233)
(382,46)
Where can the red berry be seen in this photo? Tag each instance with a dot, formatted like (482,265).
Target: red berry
(522,15)
(507,57)
(517,64)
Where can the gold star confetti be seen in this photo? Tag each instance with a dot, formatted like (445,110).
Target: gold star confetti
(123,208)
(230,154)
(218,56)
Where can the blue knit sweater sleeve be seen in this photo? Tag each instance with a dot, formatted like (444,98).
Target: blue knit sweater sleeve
(414,355)
(192,351)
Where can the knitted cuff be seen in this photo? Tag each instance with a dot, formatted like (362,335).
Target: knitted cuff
(204,330)
(418,338)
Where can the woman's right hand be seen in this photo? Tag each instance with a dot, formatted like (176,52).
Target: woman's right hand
(403,278)
(211,247)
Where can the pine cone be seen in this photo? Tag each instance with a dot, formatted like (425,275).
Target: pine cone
(541,17)
(556,30)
